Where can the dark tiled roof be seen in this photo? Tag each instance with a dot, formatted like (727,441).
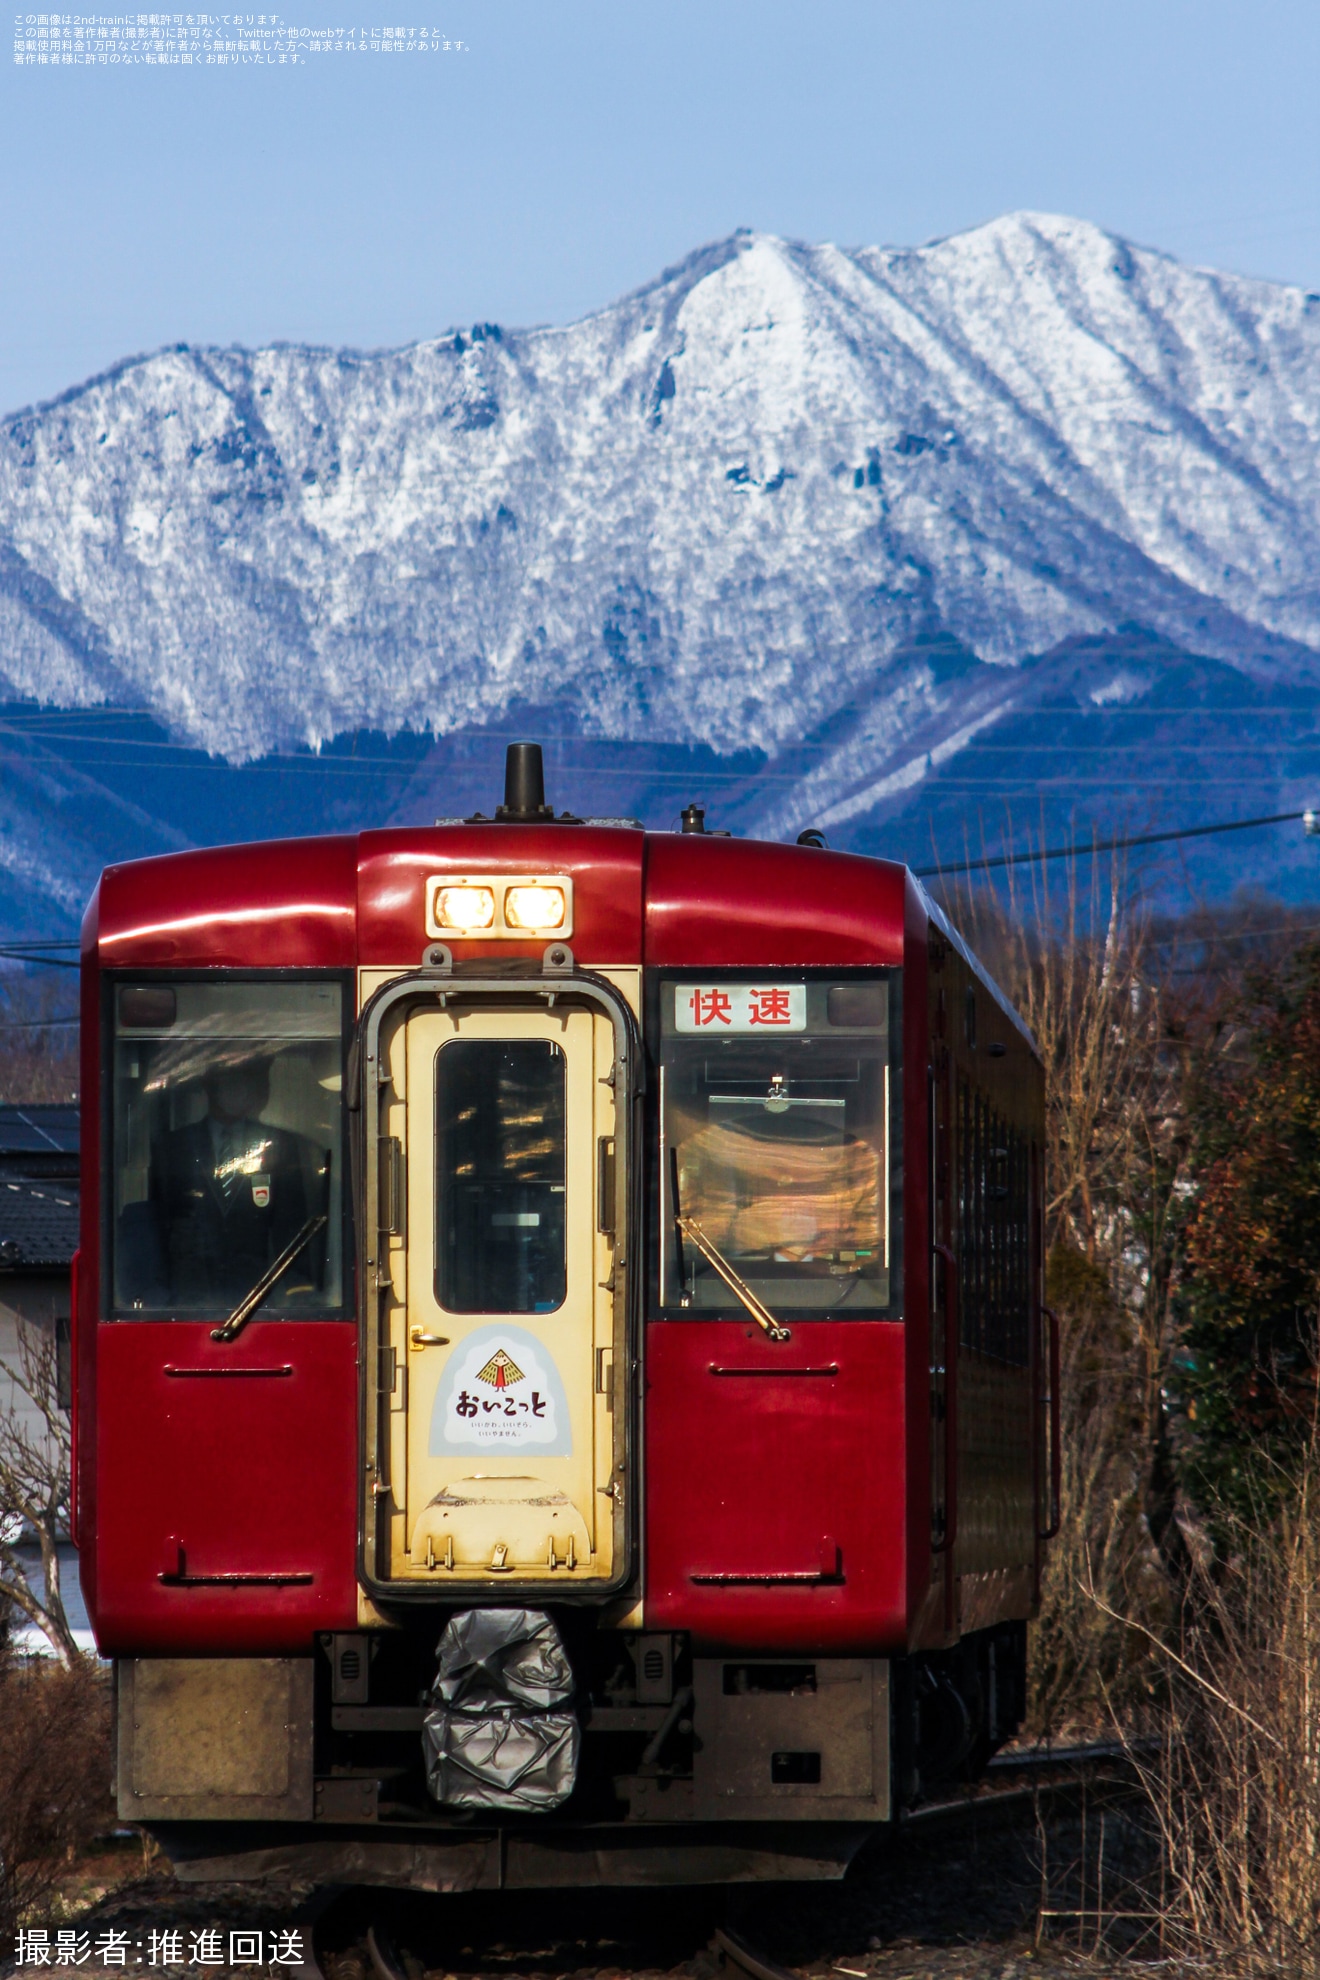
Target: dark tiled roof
(37,1142)
(38,1130)
(38,1225)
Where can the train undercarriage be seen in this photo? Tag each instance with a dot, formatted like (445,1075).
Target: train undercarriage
(685,1768)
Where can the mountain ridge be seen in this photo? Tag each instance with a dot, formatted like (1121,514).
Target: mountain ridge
(870,497)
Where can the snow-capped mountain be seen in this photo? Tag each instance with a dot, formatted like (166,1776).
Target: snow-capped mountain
(838,507)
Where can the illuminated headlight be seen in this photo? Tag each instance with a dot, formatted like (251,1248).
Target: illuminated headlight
(467,908)
(498,907)
(534,907)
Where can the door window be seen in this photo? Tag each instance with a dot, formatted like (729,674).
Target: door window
(500,1176)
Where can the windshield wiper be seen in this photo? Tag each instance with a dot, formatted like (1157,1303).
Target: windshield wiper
(685,1296)
(738,1287)
(713,1256)
(269,1279)
(688,1227)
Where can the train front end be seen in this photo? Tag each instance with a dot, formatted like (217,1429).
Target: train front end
(514,1427)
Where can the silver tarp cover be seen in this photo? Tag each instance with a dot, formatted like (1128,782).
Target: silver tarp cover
(526,1761)
(500,1659)
(493,1739)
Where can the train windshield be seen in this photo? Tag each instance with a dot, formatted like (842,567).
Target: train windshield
(776,1158)
(228,1140)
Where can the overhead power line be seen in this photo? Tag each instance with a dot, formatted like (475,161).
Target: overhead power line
(1082,848)
(38,950)
(41,953)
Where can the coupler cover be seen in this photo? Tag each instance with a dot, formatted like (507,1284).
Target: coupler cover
(494,1738)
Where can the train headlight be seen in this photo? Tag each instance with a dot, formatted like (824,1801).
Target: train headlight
(499,907)
(534,907)
(465,908)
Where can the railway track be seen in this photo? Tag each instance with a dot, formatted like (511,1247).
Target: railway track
(394,1943)
(1039,1781)
(731,1950)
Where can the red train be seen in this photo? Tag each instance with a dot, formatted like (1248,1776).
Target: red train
(562,1393)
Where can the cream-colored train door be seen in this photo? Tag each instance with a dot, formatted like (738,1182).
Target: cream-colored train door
(506,1327)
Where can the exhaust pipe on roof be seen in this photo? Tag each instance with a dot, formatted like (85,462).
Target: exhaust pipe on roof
(524,787)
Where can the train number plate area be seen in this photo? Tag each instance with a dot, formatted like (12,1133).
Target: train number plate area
(725,1008)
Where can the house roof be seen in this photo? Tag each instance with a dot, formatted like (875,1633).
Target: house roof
(34,1130)
(39,1143)
(38,1188)
(38,1224)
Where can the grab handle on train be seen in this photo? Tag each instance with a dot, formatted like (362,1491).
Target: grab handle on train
(951,1338)
(1052,1404)
(75,1384)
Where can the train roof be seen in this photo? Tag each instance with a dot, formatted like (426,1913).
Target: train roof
(941,920)
(681,900)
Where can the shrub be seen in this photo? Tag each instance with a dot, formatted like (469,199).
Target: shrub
(1252,1242)
(54,1776)
(1235,1786)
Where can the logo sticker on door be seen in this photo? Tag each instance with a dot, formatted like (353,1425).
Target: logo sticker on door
(501,1392)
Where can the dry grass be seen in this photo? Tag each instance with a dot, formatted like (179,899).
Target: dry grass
(1083,1661)
(54,1778)
(1210,1646)
(1235,1784)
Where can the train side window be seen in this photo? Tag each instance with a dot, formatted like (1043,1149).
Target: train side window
(777,1102)
(994,1222)
(500,1176)
(228,1135)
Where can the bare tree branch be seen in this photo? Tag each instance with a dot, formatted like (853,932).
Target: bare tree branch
(35,1476)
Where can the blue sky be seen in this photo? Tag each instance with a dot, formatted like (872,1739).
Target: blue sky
(577,148)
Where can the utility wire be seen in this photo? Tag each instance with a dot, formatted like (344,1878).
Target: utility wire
(39,951)
(1081,849)
(1189,939)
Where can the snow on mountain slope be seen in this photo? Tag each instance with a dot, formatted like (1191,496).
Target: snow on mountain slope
(721,510)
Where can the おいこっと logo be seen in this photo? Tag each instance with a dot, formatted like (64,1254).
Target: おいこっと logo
(500,1391)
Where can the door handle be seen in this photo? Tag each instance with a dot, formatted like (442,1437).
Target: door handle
(419,1338)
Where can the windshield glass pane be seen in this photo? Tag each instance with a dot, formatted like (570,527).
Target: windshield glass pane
(499,1112)
(228,1138)
(775,1118)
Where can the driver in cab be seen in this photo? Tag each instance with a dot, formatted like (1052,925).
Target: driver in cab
(227,1193)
